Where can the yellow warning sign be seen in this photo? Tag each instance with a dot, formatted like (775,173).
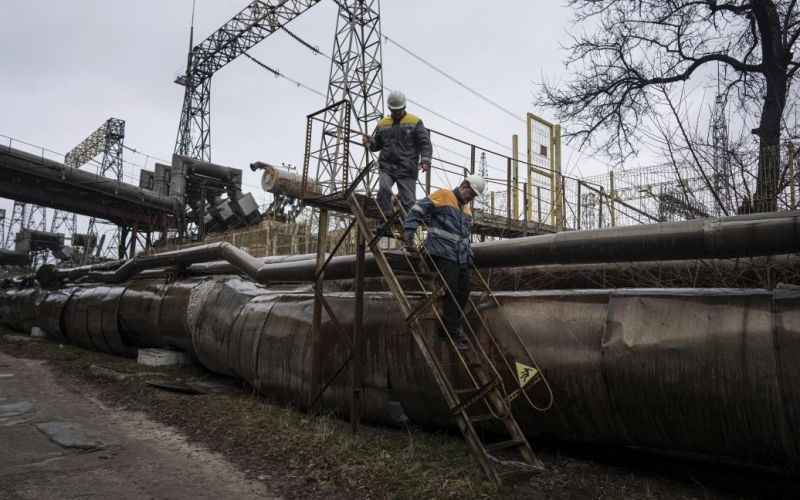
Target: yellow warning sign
(525,373)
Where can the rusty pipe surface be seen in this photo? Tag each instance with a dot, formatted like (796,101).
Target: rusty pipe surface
(709,371)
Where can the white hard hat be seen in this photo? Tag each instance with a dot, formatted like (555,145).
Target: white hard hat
(477,183)
(396,100)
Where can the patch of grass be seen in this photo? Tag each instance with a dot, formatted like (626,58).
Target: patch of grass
(317,454)
(301,455)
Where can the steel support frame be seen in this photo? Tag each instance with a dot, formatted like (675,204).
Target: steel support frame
(246,29)
(354,344)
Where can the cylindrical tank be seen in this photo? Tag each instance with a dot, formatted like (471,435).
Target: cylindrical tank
(284,182)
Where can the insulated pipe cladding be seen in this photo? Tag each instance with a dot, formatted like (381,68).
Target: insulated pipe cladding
(703,371)
(729,237)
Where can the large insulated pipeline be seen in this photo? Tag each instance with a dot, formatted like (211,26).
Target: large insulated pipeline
(706,371)
(727,237)
(58,172)
(240,260)
(721,238)
(49,274)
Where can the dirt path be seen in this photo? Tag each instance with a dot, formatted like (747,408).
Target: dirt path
(61,442)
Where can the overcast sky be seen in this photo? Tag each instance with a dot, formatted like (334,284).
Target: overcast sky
(69,66)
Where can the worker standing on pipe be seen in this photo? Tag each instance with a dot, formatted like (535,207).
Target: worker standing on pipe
(405,148)
(448,246)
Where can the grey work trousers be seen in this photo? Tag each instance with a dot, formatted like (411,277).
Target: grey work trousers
(455,299)
(406,186)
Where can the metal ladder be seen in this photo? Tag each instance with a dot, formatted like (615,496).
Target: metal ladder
(487,381)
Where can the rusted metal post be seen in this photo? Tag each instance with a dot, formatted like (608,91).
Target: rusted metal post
(358,334)
(525,211)
(123,233)
(134,235)
(515,173)
(508,191)
(472,160)
(492,210)
(539,203)
(428,174)
(316,319)
(428,181)
(563,206)
(578,223)
(556,163)
(613,195)
(792,188)
(600,209)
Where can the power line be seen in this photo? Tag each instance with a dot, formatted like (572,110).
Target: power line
(313,48)
(454,80)
(316,51)
(278,74)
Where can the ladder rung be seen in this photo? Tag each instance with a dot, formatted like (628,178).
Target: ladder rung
(475,396)
(503,445)
(412,273)
(480,418)
(468,363)
(428,302)
(401,257)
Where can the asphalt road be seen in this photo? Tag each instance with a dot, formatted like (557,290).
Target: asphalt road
(58,441)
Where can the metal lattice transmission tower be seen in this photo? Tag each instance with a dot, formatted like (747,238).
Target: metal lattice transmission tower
(483,171)
(37,218)
(16,223)
(24,216)
(108,139)
(721,160)
(65,222)
(250,26)
(357,76)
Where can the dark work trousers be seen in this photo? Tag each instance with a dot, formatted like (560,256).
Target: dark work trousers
(457,279)
(406,186)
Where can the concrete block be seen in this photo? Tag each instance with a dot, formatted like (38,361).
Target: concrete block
(38,333)
(163,357)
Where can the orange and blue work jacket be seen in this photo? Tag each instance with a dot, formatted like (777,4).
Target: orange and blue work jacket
(404,145)
(449,228)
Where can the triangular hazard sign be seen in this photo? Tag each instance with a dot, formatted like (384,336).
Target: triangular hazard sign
(525,373)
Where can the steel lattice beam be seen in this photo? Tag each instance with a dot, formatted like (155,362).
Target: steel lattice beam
(357,76)
(250,26)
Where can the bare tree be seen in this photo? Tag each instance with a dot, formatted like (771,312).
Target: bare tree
(619,70)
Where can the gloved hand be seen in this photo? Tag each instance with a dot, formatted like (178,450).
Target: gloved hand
(408,240)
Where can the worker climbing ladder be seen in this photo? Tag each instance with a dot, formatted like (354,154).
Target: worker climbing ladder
(488,385)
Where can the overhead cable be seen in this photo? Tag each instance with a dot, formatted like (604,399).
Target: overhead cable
(454,80)
(278,74)
(316,51)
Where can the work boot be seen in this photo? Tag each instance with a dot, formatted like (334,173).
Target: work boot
(459,342)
